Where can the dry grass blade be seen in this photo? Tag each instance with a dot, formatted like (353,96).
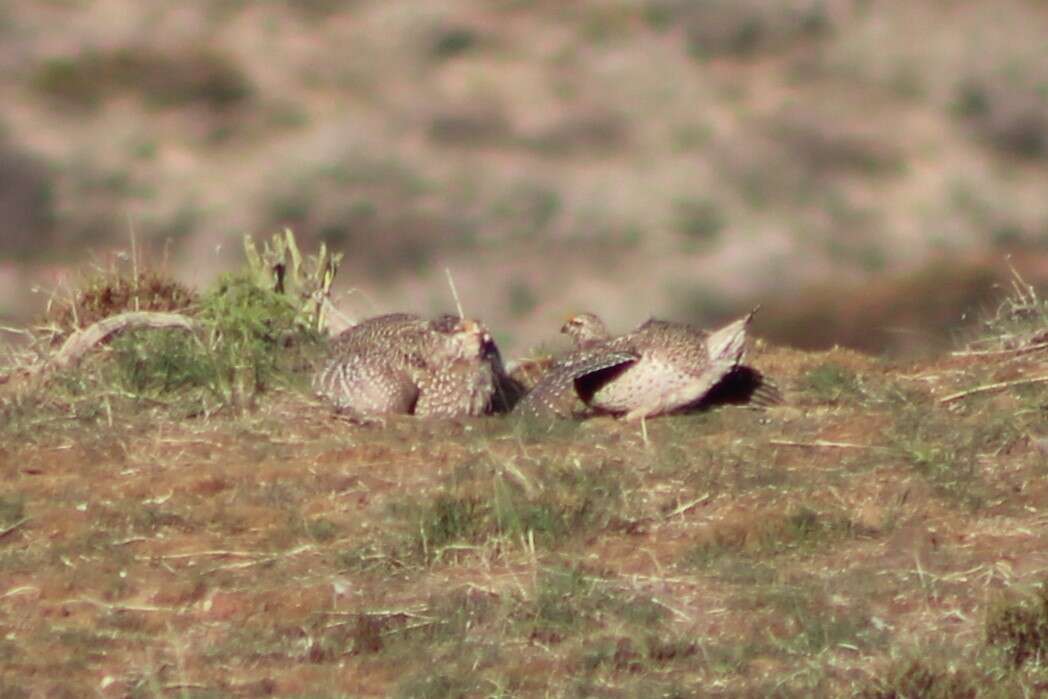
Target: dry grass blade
(206,554)
(454,292)
(988,388)
(1015,351)
(112,606)
(688,505)
(4,532)
(823,444)
(21,590)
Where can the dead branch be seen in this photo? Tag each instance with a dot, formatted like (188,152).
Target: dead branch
(1000,386)
(84,340)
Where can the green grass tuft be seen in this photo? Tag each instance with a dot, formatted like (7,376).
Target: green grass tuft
(832,383)
(484,505)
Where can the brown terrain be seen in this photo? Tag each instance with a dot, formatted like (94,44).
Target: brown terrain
(179,517)
(168,530)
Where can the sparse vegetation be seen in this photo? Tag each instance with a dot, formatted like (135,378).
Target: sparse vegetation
(248,334)
(27,202)
(250,341)
(764,535)
(178,517)
(728,130)
(104,293)
(1019,628)
(819,548)
(485,506)
(740,29)
(700,222)
(832,383)
(449,42)
(199,76)
(1011,118)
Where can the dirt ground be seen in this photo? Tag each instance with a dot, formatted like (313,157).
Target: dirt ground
(848,541)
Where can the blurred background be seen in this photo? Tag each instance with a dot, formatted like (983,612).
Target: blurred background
(863,169)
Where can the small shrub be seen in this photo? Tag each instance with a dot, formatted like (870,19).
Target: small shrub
(528,209)
(27,205)
(453,41)
(1011,118)
(107,293)
(741,28)
(1020,627)
(971,101)
(826,150)
(522,299)
(159,362)
(253,337)
(357,202)
(589,130)
(700,221)
(163,79)
(249,341)
(919,680)
(1020,318)
(476,125)
(318,9)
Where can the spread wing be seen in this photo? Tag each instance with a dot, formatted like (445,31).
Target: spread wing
(557,392)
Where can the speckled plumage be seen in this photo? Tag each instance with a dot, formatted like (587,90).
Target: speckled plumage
(658,368)
(403,364)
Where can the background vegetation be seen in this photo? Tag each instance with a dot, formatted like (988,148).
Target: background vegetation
(179,517)
(682,158)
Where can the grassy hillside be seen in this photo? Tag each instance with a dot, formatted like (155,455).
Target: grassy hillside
(881,534)
(632,157)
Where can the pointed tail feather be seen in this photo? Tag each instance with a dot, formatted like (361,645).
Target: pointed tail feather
(729,343)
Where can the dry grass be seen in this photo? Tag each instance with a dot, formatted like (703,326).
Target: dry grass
(867,538)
